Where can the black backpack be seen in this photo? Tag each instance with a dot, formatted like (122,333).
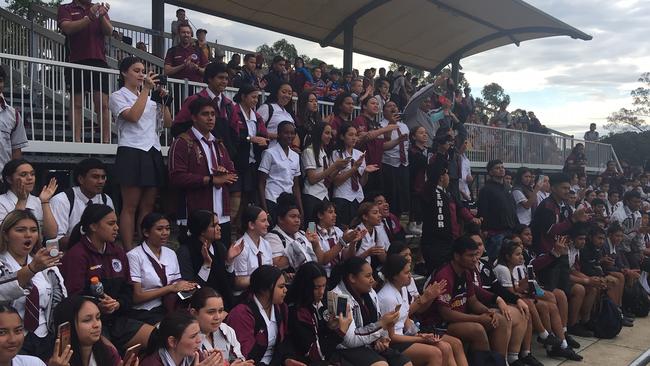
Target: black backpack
(635,300)
(607,319)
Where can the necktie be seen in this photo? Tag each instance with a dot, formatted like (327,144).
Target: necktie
(259,259)
(389,231)
(90,202)
(402,148)
(32,310)
(3,103)
(217,105)
(355,177)
(336,259)
(213,158)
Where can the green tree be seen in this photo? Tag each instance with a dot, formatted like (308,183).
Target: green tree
(630,146)
(633,118)
(493,95)
(281,47)
(21,7)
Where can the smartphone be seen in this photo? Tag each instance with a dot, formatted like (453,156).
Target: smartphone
(184,295)
(64,336)
(530,272)
(311,227)
(135,349)
(341,305)
(52,246)
(162,80)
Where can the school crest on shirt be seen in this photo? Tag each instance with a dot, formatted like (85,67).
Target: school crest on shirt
(117,265)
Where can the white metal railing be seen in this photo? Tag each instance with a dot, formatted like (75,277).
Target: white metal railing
(40,91)
(137,33)
(518,148)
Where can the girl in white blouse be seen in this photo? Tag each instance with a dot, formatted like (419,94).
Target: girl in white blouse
(155,272)
(139,163)
(19,178)
(208,308)
(38,277)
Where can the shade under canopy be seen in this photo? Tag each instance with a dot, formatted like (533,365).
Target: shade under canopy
(426,34)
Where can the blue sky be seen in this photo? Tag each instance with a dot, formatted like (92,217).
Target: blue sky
(568,83)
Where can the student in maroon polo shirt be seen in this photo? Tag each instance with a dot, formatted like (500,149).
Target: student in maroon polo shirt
(94,254)
(85,26)
(459,310)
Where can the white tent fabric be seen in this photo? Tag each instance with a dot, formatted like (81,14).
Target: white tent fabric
(427,34)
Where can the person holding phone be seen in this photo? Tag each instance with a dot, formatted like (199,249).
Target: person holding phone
(80,318)
(348,183)
(375,242)
(35,269)
(177,342)
(155,272)
(12,337)
(394,161)
(19,178)
(139,162)
(421,348)
(94,254)
(208,307)
(204,259)
(336,245)
(366,341)
(261,321)
(291,246)
(315,332)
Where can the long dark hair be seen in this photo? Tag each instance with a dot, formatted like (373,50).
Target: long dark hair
(518,176)
(352,267)
(394,265)
(302,288)
(243,91)
(201,296)
(68,311)
(172,325)
(306,117)
(338,103)
(263,279)
(248,215)
(340,136)
(273,96)
(91,215)
(9,170)
(317,144)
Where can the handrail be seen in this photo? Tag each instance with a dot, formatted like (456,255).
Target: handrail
(51,12)
(39,95)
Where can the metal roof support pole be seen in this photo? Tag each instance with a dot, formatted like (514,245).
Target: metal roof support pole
(455,70)
(348,36)
(158,26)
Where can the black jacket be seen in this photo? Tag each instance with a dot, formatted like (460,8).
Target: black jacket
(497,207)
(590,261)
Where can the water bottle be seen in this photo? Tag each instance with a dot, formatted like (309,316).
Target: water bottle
(96,287)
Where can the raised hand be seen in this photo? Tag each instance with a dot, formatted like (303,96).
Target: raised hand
(205,253)
(48,191)
(234,251)
(60,357)
(435,289)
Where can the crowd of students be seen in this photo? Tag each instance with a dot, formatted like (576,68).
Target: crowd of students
(276,208)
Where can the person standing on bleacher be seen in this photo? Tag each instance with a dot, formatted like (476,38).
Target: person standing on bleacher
(85,25)
(13,137)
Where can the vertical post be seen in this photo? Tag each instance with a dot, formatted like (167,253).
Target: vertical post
(455,70)
(158,26)
(348,37)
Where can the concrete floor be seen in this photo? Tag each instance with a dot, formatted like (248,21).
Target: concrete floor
(620,351)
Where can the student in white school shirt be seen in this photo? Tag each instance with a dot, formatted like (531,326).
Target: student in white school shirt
(292,247)
(257,251)
(276,110)
(375,243)
(280,171)
(19,178)
(348,192)
(154,271)
(67,206)
(336,245)
(139,164)
(43,291)
(13,137)
(208,308)
(394,161)
(12,336)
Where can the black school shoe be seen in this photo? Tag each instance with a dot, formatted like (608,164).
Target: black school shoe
(530,360)
(580,330)
(551,340)
(571,342)
(567,353)
(627,322)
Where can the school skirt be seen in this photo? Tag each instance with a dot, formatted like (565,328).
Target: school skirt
(139,168)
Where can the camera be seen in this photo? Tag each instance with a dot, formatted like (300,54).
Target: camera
(162,80)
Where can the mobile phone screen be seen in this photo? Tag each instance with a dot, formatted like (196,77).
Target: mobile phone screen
(64,336)
(311,227)
(342,306)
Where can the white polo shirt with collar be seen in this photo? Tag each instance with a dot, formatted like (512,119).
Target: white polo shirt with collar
(378,238)
(143,134)
(143,272)
(246,262)
(217,194)
(12,133)
(297,249)
(66,220)
(8,203)
(391,156)
(345,189)
(281,169)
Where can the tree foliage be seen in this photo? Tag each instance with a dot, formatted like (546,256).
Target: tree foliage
(493,95)
(634,118)
(21,7)
(630,146)
(281,47)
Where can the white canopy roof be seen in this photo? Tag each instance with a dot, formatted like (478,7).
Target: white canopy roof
(426,34)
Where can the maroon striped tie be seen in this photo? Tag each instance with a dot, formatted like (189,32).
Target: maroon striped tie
(32,310)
